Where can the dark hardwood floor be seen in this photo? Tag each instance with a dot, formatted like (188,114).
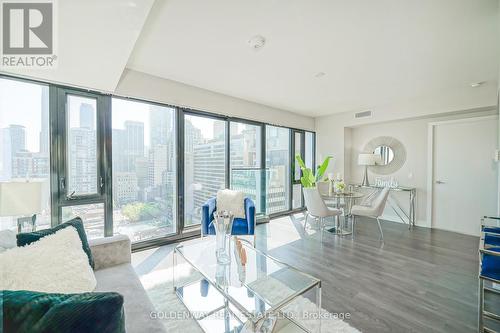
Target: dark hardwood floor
(418,280)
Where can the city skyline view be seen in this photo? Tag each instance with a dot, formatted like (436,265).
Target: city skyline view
(143,156)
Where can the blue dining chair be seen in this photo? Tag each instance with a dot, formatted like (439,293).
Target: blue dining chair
(489,268)
(241,226)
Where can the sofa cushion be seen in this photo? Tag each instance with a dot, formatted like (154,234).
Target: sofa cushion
(138,307)
(30,237)
(54,264)
(35,312)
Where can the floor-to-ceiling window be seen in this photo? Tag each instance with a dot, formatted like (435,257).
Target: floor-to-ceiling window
(128,166)
(144,169)
(278,163)
(204,163)
(24,154)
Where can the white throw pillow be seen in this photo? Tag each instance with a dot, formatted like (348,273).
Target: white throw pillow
(232,201)
(7,240)
(54,264)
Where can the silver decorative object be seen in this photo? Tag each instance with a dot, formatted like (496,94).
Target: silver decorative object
(223,224)
(396,154)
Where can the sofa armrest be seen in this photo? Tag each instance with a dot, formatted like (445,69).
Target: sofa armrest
(111,251)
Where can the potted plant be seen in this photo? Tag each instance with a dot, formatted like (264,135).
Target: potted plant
(309,179)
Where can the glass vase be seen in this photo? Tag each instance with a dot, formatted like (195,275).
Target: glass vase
(223,224)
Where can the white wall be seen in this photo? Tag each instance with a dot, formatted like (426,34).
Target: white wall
(413,133)
(144,86)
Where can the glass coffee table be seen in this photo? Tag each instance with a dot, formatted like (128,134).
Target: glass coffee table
(247,292)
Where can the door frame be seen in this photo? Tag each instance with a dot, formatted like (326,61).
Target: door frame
(430,160)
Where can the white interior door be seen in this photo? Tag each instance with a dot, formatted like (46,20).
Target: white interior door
(465,179)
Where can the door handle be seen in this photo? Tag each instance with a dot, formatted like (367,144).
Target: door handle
(440,182)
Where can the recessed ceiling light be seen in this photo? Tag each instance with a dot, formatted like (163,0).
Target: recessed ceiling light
(477,84)
(257,42)
(320,74)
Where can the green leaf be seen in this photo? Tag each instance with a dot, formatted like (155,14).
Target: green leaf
(300,161)
(322,168)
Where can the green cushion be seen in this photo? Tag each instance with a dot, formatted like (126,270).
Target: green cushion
(30,237)
(36,312)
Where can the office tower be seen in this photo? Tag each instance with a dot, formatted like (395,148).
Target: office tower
(17,135)
(44,132)
(5,155)
(161,120)
(82,164)
(87,116)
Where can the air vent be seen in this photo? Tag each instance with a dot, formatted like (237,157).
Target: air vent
(363,114)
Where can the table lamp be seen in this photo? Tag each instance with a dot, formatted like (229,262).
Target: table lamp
(22,199)
(367,159)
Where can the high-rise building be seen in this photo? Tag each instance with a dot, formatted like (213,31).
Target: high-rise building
(82,164)
(87,116)
(17,135)
(161,121)
(22,164)
(44,132)
(5,155)
(158,156)
(134,138)
(208,170)
(124,187)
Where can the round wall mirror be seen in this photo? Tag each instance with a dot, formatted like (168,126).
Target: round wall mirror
(386,154)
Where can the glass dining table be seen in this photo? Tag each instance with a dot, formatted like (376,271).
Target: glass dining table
(349,198)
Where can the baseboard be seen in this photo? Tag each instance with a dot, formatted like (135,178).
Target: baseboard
(393,218)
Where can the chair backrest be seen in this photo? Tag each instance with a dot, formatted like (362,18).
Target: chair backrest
(379,202)
(322,188)
(314,202)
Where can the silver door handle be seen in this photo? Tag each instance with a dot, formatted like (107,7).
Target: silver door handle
(440,182)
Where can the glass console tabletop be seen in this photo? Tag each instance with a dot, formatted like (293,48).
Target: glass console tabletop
(223,298)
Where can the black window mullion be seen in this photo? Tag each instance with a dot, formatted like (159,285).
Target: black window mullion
(180,171)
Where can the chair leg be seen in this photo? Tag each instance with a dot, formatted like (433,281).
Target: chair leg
(481,306)
(380,228)
(353,223)
(305,221)
(321,229)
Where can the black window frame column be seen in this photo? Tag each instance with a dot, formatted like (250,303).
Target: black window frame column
(293,163)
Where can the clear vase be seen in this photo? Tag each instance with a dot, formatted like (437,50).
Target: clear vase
(223,223)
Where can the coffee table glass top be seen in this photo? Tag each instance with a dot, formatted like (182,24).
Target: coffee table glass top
(262,276)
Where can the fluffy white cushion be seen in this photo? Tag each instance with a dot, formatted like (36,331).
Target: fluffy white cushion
(54,264)
(7,240)
(232,201)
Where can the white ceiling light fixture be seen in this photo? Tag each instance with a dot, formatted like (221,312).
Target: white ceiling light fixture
(320,74)
(257,42)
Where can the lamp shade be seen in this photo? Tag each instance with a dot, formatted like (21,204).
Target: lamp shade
(368,159)
(20,198)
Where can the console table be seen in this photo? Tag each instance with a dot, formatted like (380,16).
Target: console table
(404,216)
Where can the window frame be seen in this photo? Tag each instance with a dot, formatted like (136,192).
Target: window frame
(104,122)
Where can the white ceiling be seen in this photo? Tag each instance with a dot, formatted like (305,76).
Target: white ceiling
(376,54)
(373,52)
(94,39)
